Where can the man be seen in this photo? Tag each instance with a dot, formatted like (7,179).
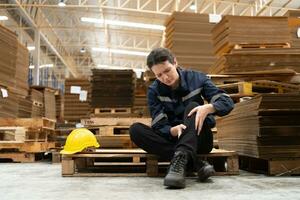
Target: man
(181,122)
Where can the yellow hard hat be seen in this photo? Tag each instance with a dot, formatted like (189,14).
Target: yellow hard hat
(78,140)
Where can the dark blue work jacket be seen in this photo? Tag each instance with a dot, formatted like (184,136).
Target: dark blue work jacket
(167,105)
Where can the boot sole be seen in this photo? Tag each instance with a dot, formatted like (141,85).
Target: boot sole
(174,184)
(205,176)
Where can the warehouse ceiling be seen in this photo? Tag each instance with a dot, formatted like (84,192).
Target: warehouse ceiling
(78,35)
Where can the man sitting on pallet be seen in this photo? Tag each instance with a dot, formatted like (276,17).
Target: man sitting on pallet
(181,122)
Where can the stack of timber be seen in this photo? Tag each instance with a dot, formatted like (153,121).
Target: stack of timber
(24,107)
(77,99)
(266,128)
(113,132)
(22,69)
(235,30)
(112,89)
(188,36)
(21,139)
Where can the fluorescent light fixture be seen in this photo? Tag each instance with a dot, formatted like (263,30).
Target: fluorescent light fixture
(31,66)
(61,3)
(46,65)
(3,18)
(31,48)
(120,51)
(122,23)
(119,67)
(193,6)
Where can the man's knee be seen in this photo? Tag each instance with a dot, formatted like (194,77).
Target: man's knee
(191,105)
(135,130)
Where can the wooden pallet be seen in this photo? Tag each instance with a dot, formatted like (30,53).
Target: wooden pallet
(83,164)
(275,166)
(29,147)
(28,122)
(114,121)
(99,111)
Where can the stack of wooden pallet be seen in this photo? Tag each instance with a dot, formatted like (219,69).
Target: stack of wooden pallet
(112,88)
(22,139)
(235,30)
(266,127)
(140,99)
(188,35)
(77,99)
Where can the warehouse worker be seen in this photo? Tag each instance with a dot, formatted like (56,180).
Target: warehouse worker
(181,122)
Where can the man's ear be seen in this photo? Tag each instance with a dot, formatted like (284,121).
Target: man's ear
(175,62)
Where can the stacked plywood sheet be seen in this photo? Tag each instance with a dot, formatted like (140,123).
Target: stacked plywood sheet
(294,25)
(8,52)
(249,60)
(234,30)
(37,99)
(24,107)
(59,100)
(267,126)
(21,76)
(188,35)
(77,99)
(112,88)
(8,104)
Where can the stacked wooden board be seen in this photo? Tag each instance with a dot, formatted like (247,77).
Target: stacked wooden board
(294,25)
(233,30)
(112,88)
(188,36)
(59,101)
(76,108)
(267,126)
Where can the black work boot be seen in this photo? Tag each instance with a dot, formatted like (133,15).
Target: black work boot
(176,173)
(205,171)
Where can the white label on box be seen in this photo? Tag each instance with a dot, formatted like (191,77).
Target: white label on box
(298,32)
(4,93)
(75,89)
(214,18)
(83,95)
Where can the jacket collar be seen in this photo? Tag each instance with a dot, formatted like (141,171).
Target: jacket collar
(167,90)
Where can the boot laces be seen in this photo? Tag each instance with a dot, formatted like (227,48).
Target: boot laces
(178,163)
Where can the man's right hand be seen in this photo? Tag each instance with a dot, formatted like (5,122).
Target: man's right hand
(176,131)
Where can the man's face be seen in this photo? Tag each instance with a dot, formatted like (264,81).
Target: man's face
(166,73)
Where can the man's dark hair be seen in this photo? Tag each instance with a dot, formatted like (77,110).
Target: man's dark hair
(159,55)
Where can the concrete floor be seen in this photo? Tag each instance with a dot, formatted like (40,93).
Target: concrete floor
(44,181)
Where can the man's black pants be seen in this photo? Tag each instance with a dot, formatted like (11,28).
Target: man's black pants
(154,143)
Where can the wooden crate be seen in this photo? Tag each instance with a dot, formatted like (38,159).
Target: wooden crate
(79,164)
(275,166)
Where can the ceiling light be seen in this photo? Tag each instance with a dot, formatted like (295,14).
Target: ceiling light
(31,48)
(61,3)
(3,18)
(193,6)
(46,65)
(31,66)
(120,51)
(82,50)
(123,23)
(119,68)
